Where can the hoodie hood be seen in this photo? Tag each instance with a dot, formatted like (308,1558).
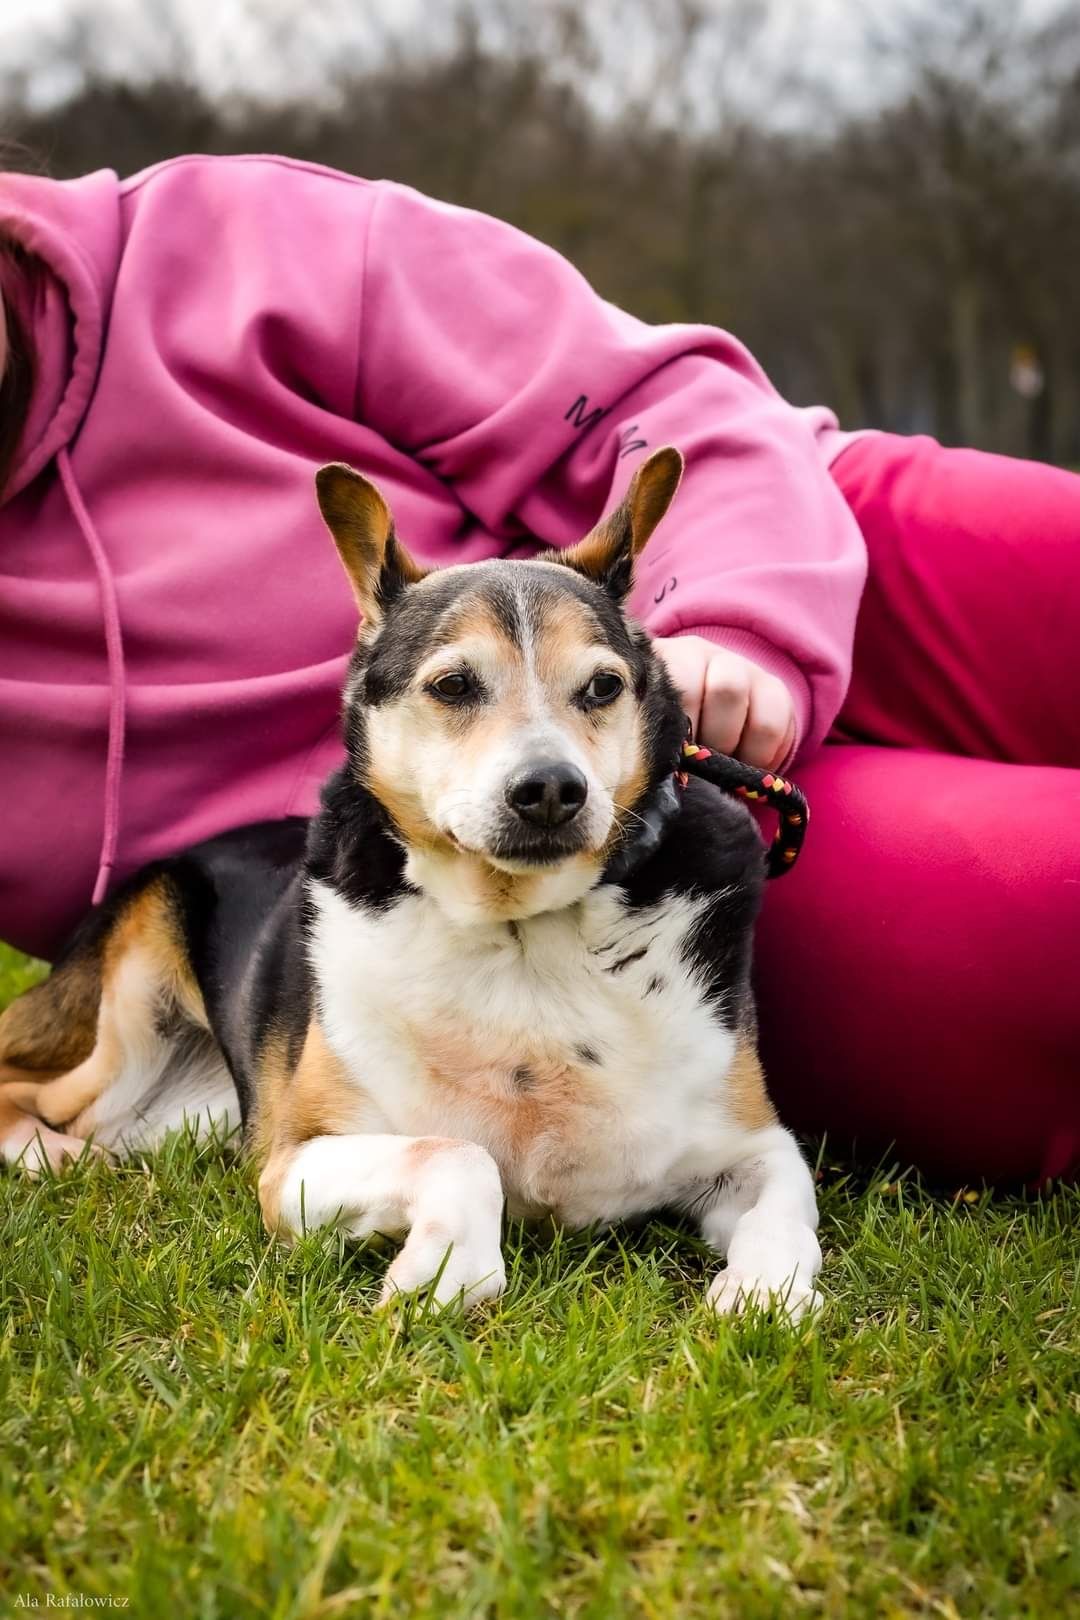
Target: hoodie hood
(73,229)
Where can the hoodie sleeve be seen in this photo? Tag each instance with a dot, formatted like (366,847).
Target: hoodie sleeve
(486,356)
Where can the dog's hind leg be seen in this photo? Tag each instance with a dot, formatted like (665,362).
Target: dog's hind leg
(150,1022)
(27,1141)
(143,976)
(51,1027)
(45,1032)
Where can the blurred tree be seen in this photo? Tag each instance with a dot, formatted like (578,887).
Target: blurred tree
(887,243)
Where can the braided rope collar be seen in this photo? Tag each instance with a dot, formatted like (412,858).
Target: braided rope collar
(750,783)
(733,776)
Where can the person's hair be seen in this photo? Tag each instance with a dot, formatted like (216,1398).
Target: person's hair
(17,382)
(17,379)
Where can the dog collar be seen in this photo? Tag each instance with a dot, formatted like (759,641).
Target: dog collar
(663,803)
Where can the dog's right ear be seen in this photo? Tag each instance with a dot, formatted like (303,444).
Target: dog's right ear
(376,563)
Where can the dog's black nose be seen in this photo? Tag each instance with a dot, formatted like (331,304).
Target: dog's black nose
(547,794)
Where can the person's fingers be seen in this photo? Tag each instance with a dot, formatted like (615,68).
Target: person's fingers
(733,704)
(686,666)
(725,702)
(770,723)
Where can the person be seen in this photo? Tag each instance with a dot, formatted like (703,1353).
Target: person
(183,348)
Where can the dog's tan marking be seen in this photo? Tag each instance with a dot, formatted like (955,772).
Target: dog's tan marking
(424,1148)
(402,804)
(558,1105)
(566,630)
(472,619)
(321,1099)
(316,1098)
(271,1147)
(150,922)
(270,1180)
(749,1100)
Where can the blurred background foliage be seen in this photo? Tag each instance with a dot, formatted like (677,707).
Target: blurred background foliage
(882,199)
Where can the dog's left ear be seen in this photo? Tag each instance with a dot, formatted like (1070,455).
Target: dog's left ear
(607,553)
(376,563)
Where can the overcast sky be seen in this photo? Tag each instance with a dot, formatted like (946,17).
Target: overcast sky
(224,40)
(267,46)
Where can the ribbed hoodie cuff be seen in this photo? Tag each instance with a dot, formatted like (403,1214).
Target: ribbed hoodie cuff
(767,657)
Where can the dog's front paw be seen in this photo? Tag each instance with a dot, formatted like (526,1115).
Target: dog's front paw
(731,1291)
(465,1265)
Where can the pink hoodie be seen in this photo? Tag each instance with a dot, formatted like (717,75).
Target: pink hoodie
(174,626)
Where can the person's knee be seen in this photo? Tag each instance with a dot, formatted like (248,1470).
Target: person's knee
(907,977)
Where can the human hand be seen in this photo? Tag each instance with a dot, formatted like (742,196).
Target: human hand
(734,705)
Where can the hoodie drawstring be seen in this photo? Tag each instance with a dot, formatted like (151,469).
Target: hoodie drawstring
(114,647)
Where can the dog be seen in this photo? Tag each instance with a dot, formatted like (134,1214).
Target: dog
(508,962)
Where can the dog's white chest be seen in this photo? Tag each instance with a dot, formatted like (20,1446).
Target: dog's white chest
(577,1047)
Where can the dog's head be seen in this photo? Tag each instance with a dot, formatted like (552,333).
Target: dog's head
(507,715)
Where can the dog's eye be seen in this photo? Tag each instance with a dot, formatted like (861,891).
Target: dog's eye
(603,688)
(452,688)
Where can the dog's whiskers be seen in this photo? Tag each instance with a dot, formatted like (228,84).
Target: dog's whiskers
(622,812)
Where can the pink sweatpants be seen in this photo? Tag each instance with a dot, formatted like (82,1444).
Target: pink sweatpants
(919,972)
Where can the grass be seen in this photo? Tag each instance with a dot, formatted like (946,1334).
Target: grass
(201,1424)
